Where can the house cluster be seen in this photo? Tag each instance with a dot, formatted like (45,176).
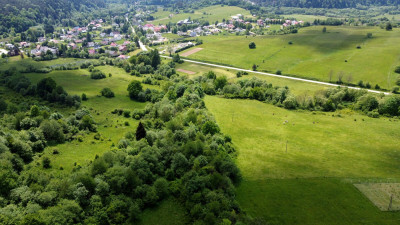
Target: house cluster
(291,23)
(156,29)
(10,50)
(41,50)
(214,29)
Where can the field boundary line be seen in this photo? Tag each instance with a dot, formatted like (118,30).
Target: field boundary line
(281,76)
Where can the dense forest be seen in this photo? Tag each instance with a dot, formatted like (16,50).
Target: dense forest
(327,3)
(22,14)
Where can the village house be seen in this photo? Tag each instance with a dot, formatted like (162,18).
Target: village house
(122,48)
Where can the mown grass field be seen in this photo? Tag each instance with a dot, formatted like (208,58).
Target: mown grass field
(211,14)
(313,54)
(308,184)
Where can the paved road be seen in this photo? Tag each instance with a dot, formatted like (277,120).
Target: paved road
(280,76)
(142,46)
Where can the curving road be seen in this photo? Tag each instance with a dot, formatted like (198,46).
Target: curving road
(281,76)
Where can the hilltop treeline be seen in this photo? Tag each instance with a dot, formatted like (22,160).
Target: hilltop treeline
(327,3)
(22,14)
(190,4)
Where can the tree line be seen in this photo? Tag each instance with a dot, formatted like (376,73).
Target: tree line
(327,3)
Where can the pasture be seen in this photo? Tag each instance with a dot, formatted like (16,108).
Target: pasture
(313,54)
(309,183)
(211,14)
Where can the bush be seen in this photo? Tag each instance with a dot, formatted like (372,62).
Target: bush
(46,163)
(97,75)
(290,103)
(84,97)
(397,70)
(106,92)
(127,113)
(252,45)
(278,72)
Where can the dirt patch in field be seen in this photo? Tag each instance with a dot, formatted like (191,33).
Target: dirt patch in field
(191,52)
(186,71)
(386,196)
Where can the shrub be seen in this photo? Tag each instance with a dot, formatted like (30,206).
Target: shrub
(106,92)
(290,102)
(397,70)
(84,97)
(97,74)
(252,45)
(46,163)
(278,72)
(127,113)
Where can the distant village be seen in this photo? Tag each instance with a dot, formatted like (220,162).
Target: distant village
(94,40)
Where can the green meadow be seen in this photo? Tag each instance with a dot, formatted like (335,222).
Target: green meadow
(313,54)
(299,167)
(211,14)
(111,127)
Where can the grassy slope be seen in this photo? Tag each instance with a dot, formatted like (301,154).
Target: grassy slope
(110,126)
(313,54)
(290,188)
(213,13)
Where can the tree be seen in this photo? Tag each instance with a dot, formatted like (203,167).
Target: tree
(34,111)
(140,132)
(84,97)
(324,30)
(3,105)
(176,58)
(45,86)
(46,163)
(52,131)
(134,88)
(254,67)
(388,27)
(210,127)
(106,92)
(220,82)
(155,58)
(170,50)
(252,45)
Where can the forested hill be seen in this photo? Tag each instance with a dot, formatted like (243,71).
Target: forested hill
(196,4)
(326,3)
(21,14)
